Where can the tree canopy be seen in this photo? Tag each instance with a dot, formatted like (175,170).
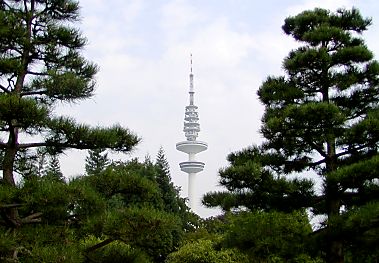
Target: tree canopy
(96,161)
(321,121)
(115,215)
(40,66)
(320,117)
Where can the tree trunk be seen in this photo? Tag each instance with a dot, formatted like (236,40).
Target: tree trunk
(11,215)
(334,244)
(8,163)
(334,253)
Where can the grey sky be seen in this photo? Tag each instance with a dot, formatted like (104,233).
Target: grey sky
(143,50)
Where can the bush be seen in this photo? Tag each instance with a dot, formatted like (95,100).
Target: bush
(270,236)
(203,251)
(114,252)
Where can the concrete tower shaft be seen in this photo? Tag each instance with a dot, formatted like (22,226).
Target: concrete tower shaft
(191,146)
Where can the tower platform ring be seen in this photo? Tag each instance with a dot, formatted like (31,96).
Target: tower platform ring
(191,167)
(191,146)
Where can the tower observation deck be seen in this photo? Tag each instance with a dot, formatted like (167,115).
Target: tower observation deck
(191,146)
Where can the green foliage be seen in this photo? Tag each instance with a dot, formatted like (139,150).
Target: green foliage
(162,163)
(253,185)
(212,229)
(41,65)
(315,26)
(155,232)
(115,252)
(356,228)
(66,133)
(203,251)
(42,243)
(360,175)
(96,161)
(48,196)
(31,163)
(26,113)
(215,225)
(122,204)
(43,33)
(85,200)
(321,117)
(132,186)
(134,211)
(332,128)
(264,235)
(170,194)
(53,254)
(54,170)
(250,237)
(8,194)
(7,245)
(47,217)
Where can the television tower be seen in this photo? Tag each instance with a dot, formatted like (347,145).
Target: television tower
(191,146)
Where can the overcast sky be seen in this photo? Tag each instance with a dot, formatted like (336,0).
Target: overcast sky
(143,50)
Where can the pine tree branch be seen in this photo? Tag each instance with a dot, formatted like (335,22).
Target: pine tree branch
(7,5)
(318,199)
(25,7)
(30,219)
(99,245)
(318,149)
(339,155)
(29,93)
(320,231)
(350,150)
(37,73)
(348,197)
(317,163)
(32,145)
(55,144)
(33,218)
(7,206)
(4,89)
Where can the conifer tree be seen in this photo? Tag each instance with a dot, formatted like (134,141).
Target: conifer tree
(173,202)
(252,185)
(323,116)
(29,163)
(54,169)
(96,161)
(40,66)
(169,192)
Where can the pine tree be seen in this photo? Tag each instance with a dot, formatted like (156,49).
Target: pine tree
(26,164)
(323,116)
(96,161)
(169,192)
(172,201)
(252,184)
(53,170)
(31,163)
(40,66)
